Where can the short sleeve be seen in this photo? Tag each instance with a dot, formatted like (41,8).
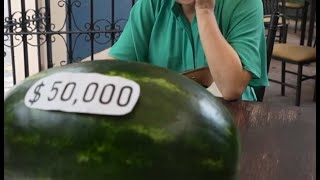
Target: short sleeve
(246,35)
(133,42)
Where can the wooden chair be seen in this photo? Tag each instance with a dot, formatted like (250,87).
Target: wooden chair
(298,7)
(294,54)
(271,7)
(271,35)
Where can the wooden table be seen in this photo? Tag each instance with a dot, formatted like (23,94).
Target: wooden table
(276,143)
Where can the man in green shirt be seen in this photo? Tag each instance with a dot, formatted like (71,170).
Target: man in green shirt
(225,35)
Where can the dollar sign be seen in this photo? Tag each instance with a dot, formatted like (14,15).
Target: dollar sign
(37,94)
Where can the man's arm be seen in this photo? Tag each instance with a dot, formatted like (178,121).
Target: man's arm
(236,52)
(223,61)
(100,56)
(109,57)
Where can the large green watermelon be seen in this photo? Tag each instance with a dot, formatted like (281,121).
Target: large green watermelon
(177,130)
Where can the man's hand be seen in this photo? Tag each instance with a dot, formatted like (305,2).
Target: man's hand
(205,5)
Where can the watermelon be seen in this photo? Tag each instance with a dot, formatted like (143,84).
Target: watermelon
(176,130)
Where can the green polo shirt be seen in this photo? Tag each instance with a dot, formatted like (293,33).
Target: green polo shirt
(157,32)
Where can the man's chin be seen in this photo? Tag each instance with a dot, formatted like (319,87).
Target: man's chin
(185,2)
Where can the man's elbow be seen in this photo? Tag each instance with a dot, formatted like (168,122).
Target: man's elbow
(232,94)
(233,91)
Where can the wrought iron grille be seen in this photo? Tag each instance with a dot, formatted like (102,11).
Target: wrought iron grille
(34,28)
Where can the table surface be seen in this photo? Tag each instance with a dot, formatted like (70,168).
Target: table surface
(276,143)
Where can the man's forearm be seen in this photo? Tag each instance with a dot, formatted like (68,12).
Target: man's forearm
(224,63)
(108,57)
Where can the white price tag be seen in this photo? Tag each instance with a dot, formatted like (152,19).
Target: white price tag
(90,93)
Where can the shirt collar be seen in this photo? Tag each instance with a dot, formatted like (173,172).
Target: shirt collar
(176,8)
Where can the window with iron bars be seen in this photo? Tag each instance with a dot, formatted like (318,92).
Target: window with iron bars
(41,34)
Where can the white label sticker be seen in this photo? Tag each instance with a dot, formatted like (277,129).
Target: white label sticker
(90,93)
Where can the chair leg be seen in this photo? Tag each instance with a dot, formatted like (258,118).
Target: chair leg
(315,91)
(283,78)
(296,18)
(298,92)
(281,31)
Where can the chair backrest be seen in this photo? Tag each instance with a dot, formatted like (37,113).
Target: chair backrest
(304,22)
(271,34)
(277,6)
(273,6)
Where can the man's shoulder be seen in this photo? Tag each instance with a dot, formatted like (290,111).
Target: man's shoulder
(233,4)
(239,8)
(153,6)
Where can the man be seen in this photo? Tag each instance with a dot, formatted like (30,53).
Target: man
(225,35)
